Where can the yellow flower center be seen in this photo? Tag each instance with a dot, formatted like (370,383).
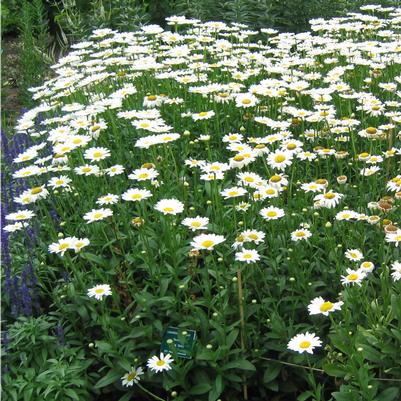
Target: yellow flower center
(59,182)
(143,175)
(275,178)
(253,237)
(305,344)
(99,291)
(352,277)
(86,169)
(291,146)
(167,138)
(260,146)
(98,154)
(196,224)
(270,191)
(98,215)
(271,213)
(36,190)
(168,210)
(152,98)
(300,234)
(136,196)
(249,179)
(95,128)
(233,193)
(131,376)
(202,114)
(279,158)
(247,255)
(326,306)
(246,101)
(160,362)
(238,158)
(207,243)
(371,130)
(329,195)
(62,247)
(144,125)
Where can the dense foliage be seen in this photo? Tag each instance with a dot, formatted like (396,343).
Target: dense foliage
(207,176)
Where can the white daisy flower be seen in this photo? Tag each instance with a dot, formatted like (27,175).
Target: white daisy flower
(304,343)
(207,241)
(247,255)
(133,376)
(196,223)
(99,291)
(97,214)
(169,206)
(160,363)
(320,306)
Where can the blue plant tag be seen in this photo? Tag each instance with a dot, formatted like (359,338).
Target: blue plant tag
(178,342)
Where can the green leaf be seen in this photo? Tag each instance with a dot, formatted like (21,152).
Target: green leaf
(231,338)
(271,372)
(242,364)
(71,393)
(305,395)
(201,388)
(389,394)
(217,389)
(334,370)
(111,377)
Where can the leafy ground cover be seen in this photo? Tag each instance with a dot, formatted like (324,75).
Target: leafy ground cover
(237,189)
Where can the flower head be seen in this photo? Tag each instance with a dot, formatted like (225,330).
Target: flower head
(99,291)
(320,306)
(133,376)
(304,343)
(158,364)
(207,241)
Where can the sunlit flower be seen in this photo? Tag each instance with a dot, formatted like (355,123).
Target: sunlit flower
(272,213)
(353,277)
(196,223)
(247,255)
(136,194)
(97,215)
(99,291)
(207,241)
(354,255)
(160,363)
(300,234)
(304,343)
(20,215)
(396,270)
(169,206)
(320,306)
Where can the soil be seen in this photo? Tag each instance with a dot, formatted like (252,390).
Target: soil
(10,55)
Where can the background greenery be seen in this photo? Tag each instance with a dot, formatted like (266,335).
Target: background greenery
(46,28)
